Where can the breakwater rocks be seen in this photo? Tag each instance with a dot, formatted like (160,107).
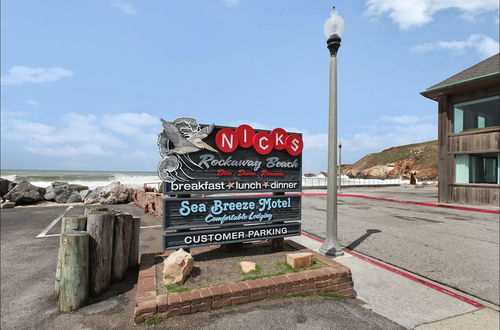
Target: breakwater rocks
(23,193)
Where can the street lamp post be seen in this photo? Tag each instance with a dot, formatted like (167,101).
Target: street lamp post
(340,166)
(333,28)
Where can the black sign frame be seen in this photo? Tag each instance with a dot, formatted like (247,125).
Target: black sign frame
(240,153)
(171,239)
(171,207)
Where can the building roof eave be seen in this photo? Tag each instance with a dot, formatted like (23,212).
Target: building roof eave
(462,85)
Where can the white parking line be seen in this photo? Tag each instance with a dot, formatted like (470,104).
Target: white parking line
(56,220)
(52,224)
(154,226)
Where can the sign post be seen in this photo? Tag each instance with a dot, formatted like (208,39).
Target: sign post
(209,159)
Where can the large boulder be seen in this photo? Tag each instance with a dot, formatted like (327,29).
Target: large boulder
(6,186)
(74,197)
(177,267)
(114,193)
(84,194)
(77,187)
(61,192)
(25,193)
(93,196)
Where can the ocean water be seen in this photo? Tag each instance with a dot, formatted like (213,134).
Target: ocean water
(92,179)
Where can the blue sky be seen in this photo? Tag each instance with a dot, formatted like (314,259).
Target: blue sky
(84,82)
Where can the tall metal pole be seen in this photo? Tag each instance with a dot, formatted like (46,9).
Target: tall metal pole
(340,167)
(331,245)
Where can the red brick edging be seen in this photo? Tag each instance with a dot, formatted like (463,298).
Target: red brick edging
(333,278)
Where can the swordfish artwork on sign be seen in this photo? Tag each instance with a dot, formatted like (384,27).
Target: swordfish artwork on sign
(217,159)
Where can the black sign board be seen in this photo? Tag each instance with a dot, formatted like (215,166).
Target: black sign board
(229,211)
(187,239)
(215,161)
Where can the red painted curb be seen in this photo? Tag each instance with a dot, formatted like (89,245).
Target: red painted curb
(461,208)
(404,274)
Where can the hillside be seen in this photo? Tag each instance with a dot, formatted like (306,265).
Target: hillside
(397,162)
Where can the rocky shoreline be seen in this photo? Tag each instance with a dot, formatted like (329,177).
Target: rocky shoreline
(24,193)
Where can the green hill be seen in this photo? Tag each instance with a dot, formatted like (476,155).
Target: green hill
(398,162)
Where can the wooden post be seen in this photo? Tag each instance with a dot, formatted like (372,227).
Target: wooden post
(74,285)
(91,209)
(133,257)
(100,228)
(121,245)
(69,223)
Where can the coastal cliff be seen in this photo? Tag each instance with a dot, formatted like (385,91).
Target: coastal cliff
(397,162)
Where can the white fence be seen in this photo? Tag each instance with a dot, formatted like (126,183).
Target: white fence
(346,181)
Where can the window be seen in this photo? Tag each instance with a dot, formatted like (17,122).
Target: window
(476,114)
(477,168)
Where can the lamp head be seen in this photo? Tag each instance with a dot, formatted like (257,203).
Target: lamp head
(334,25)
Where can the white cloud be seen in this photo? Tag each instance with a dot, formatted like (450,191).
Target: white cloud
(390,131)
(125,6)
(68,151)
(483,45)
(33,103)
(138,125)
(231,3)
(85,135)
(414,13)
(136,154)
(20,74)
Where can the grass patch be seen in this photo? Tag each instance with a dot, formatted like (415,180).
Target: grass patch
(257,270)
(256,277)
(153,321)
(283,268)
(333,295)
(171,288)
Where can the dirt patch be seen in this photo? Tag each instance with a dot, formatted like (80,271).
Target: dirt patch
(222,266)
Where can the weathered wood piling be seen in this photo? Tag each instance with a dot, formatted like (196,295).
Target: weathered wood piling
(68,223)
(74,281)
(100,226)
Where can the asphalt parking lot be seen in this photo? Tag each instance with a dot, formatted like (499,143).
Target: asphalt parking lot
(457,248)
(28,268)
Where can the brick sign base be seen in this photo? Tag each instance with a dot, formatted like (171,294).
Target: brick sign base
(332,278)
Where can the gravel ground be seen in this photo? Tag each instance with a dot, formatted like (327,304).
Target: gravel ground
(221,266)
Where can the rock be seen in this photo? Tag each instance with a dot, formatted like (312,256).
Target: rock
(7,205)
(25,193)
(299,260)
(114,193)
(77,187)
(130,195)
(247,266)
(93,196)
(84,194)
(60,192)
(6,186)
(74,197)
(177,267)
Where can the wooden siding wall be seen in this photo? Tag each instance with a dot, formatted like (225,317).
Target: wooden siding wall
(474,194)
(469,142)
(474,143)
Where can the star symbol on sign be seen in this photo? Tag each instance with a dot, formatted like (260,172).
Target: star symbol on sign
(230,185)
(265,184)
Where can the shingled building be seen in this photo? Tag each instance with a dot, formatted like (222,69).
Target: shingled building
(469,134)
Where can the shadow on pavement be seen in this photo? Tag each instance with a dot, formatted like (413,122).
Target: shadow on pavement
(360,240)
